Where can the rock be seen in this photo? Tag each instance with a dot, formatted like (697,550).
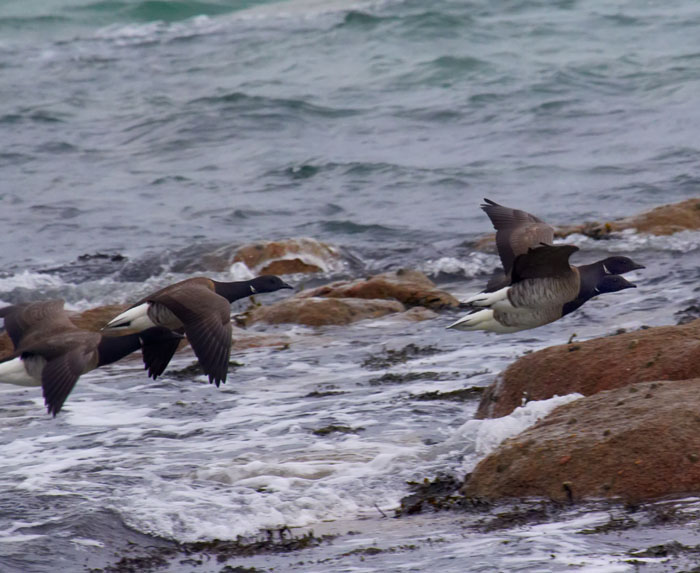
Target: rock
(659,353)
(663,220)
(636,443)
(418,314)
(96,318)
(290,256)
(410,287)
(316,311)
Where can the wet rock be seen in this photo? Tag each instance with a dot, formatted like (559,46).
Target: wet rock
(635,443)
(663,220)
(204,553)
(407,377)
(333,428)
(658,353)
(392,356)
(688,314)
(438,494)
(96,318)
(302,255)
(320,311)
(461,395)
(410,287)
(89,266)
(417,314)
(344,302)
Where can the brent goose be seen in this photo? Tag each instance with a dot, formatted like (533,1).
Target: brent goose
(51,352)
(542,284)
(517,231)
(201,307)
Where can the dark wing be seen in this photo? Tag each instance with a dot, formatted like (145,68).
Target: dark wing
(545,261)
(177,289)
(35,320)
(497,281)
(206,317)
(60,375)
(157,354)
(516,231)
(210,339)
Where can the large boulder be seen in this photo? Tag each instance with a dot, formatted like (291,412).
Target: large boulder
(659,353)
(635,443)
(663,220)
(409,287)
(96,318)
(317,311)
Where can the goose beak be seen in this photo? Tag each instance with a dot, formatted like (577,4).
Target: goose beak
(285,285)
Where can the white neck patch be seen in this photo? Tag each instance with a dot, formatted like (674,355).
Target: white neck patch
(252,289)
(606,269)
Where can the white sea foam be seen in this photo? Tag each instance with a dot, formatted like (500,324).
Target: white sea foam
(489,433)
(31,281)
(477,264)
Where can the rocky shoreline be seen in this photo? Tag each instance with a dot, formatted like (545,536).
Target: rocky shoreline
(634,436)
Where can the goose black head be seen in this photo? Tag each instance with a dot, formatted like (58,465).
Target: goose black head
(612,283)
(619,265)
(267,283)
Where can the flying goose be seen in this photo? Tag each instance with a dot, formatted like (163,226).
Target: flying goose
(544,287)
(201,307)
(517,231)
(51,352)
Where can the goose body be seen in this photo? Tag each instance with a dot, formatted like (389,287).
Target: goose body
(543,281)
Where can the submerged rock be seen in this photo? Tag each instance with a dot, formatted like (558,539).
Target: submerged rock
(303,255)
(659,353)
(412,288)
(635,443)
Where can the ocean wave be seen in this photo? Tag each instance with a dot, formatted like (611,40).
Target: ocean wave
(478,264)
(257,105)
(172,21)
